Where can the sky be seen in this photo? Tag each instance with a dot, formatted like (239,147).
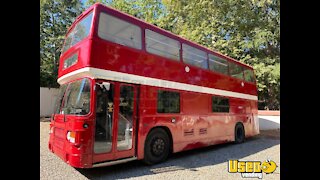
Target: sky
(84,1)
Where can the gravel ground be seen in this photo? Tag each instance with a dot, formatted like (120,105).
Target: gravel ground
(205,163)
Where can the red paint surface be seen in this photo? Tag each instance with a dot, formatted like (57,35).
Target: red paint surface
(195,114)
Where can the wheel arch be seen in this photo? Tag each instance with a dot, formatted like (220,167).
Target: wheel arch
(168,131)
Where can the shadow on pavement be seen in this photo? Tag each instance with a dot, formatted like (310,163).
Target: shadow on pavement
(187,160)
(268,124)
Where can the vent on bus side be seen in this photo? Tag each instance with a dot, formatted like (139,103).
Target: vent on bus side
(188,132)
(203,131)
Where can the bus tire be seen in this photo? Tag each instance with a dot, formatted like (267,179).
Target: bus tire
(157,146)
(239,133)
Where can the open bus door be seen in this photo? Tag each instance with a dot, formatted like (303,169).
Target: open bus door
(115,122)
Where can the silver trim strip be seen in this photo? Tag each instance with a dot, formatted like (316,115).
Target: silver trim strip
(114,162)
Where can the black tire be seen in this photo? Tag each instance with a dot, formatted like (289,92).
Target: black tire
(157,146)
(239,134)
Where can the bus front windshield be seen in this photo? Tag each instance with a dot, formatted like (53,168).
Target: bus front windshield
(74,98)
(78,33)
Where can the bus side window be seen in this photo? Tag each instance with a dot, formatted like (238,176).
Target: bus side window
(248,75)
(161,45)
(236,70)
(168,102)
(217,64)
(194,56)
(220,104)
(119,31)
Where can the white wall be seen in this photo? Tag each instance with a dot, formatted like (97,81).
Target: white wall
(47,100)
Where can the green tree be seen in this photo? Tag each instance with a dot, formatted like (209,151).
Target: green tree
(91,2)
(56,16)
(248,31)
(148,10)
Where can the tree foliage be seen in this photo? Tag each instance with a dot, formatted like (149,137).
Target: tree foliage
(248,31)
(150,11)
(55,18)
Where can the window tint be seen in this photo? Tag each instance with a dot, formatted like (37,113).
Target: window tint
(78,33)
(125,119)
(104,118)
(194,56)
(248,75)
(59,98)
(70,61)
(161,45)
(77,100)
(218,64)
(168,102)
(220,104)
(119,31)
(236,70)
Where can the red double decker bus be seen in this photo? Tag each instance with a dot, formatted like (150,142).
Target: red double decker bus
(130,90)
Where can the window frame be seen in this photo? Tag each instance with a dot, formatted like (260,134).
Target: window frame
(171,91)
(73,55)
(206,55)
(253,76)
(91,29)
(146,49)
(63,100)
(220,106)
(227,61)
(242,70)
(121,19)
(134,113)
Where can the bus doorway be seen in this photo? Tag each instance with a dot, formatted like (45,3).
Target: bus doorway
(115,123)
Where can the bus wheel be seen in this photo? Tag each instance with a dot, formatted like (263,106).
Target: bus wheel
(157,146)
(239,133)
